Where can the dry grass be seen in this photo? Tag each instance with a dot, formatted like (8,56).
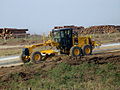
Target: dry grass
(23,41)
(103,38)
(7,52)
(107,38)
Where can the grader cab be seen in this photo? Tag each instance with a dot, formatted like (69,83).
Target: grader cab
(72,44)
(66,42)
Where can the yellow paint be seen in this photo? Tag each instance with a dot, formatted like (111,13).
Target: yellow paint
(76,52)
(37,57)
(48,51)
(87,50)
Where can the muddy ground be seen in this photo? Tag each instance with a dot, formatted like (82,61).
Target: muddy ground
(27,71)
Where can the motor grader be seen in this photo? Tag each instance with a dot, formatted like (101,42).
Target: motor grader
(65,41)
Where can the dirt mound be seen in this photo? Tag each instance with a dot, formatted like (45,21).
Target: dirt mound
(95,59)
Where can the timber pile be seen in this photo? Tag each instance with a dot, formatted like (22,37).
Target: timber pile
(9,33)
(93,29)
(101,29)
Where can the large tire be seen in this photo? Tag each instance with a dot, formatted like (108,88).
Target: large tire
(87,50)
(24,59)
(76,51)
(36,57)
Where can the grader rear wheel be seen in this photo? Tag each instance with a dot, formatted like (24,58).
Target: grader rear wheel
(36,57)
(87,50)
(25,59)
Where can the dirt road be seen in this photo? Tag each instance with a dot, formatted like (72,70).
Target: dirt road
(14,60)
(10,61)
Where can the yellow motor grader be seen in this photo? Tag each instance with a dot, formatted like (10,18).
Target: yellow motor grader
(66,42)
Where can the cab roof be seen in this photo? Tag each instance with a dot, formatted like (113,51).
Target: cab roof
(62,29)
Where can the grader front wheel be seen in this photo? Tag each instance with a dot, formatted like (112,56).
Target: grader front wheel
(25,59)
(36,57)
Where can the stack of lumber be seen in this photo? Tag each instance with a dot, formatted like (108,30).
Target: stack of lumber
(101,29)
(118,28)
(93,29)
(6,33)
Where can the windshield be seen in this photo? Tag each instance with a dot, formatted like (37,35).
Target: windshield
(56,35)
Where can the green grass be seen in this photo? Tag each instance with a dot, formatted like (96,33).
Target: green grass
(66,77)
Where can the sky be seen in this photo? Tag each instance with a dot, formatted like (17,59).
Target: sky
(40,16)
